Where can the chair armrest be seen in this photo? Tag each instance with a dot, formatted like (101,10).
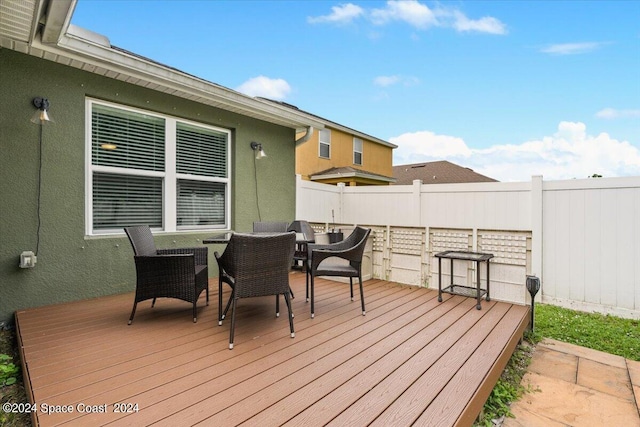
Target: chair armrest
(223,267)
(319,255)
(201,253)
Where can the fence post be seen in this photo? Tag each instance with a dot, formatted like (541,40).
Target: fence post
(537,230)
(341,186)
(417,204)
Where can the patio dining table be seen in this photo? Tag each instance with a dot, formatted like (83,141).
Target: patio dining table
(224,238)
(221,238)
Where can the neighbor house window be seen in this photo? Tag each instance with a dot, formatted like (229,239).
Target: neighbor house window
(325,143)
(149,169)
(357,151)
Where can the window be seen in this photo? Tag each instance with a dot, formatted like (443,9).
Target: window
(149,169)
(325,143)
(357,151)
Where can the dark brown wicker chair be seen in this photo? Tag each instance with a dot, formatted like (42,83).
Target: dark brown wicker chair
(255,265)
(301,253)
(180,273)
(350,249)
(270,227)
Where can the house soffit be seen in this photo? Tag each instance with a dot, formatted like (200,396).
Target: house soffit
(42,28)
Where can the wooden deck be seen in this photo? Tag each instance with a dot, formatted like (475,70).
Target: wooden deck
(409,361)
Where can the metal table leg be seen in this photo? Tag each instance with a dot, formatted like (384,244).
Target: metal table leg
(439,279)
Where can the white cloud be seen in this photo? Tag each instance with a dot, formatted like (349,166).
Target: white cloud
(385,81)
(415,14)
(487,24)
(612,113)
(410,11)
(569,153)
(425,143)
(571,48)
(276,89)
(342,14)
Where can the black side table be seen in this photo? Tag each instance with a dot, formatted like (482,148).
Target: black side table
(467,291)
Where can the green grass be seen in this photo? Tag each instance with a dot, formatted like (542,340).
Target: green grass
(610,334)
(11,385)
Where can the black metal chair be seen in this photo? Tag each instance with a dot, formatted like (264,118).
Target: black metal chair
(270,227)
(350,249)
(255,265)
(301,254)
(180,273)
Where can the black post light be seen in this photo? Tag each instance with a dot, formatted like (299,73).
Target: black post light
(533,286)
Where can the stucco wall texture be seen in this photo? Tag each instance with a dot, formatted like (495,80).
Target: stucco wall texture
(73,266)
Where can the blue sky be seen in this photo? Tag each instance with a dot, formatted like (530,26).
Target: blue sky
(510,89)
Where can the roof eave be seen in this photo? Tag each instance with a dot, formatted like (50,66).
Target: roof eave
(94,53)
(352,175)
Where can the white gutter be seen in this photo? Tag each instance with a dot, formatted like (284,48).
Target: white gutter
(305,137)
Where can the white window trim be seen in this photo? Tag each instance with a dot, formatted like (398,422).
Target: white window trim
(170,177)
(356,151)
(320,143)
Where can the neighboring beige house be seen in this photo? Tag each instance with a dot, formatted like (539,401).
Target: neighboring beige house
(439,172)
(341,154)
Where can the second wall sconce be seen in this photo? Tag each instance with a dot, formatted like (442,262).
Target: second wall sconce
(41,116)
(257,147)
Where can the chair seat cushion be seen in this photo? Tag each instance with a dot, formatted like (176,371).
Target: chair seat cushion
(335,269)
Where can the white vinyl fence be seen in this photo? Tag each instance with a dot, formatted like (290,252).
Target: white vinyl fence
(580,237)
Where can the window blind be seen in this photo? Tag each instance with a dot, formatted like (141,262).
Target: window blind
(357,151)
(124,200)
(127,139)
(325,143)
(201,151)
(153,169)
(201,203)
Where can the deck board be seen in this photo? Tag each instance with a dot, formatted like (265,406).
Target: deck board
(410,360)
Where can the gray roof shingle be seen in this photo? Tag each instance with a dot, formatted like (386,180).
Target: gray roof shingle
(439,172)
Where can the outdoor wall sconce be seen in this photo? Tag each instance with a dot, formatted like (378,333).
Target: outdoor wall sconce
(533,286)
(41,116)
(257,147)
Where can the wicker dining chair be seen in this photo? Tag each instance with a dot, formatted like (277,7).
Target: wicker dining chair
(180,273)
(350,249)
(272,227)
(301,253)
(255,265)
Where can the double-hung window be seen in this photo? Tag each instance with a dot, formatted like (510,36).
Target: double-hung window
(150,169)
(357,151)
(324,149)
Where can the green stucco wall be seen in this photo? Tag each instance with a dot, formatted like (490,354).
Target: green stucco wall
(72,266)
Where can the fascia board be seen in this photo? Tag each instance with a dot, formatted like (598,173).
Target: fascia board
(180,84)
(59,13)
(351,175)
(136,67)
(360,135)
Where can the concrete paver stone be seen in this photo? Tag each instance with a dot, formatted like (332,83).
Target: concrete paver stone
(574,387)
